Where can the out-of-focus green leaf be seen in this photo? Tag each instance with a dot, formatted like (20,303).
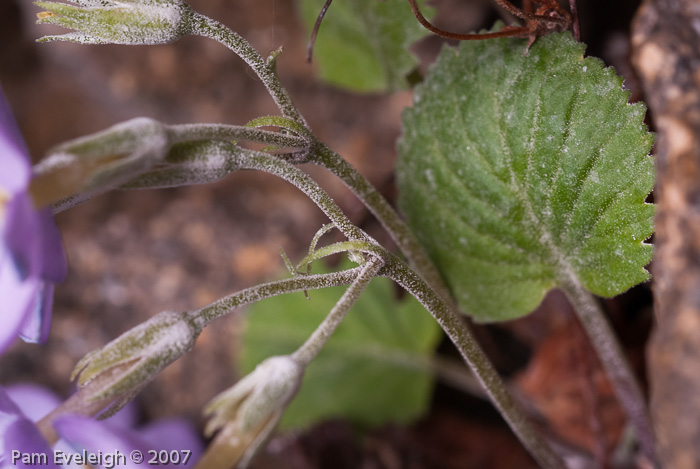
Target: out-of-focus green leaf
(363,44)
(523,173)
(371,371)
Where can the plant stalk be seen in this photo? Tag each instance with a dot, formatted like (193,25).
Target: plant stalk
(386,215)
(323,332)
(265,70)
(444,313)
(203,316)
(249,159)
(192,132)
(456,329)
(325,157)
(613,359)
(81,403)
(439,304)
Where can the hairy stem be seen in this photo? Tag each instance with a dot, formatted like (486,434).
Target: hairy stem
(442,310)
(265,70)
(193,132)
(248,159)
(614,362)
(325,156)
(225,305)
(458,332)
(387,216)
(83,401)
(323,332)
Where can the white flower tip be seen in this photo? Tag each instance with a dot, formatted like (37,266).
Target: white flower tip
(258,396)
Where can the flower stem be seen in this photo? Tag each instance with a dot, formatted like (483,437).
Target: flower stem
(456,329)
(265,70)
(367,193)
(225,305)
(458,332)
(442,310)
(191,132)
(387,216)
(323,332)
(82,402)
(614,362)
(249,159)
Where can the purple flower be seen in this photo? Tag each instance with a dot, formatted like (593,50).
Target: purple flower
(31,253)
(111,443)
(169,443)
(18,434)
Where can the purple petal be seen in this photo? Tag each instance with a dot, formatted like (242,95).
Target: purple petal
(18,299)
(22,439)
(22,235)
(15,170)
(8,408)
(84,433)
(31,235)
(53,267)
(124,419)
(174,435)
(33,242)
(19,436)
(37,323)
(32,400)
(30,245)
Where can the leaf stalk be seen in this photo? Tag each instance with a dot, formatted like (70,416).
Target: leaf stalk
(616,366)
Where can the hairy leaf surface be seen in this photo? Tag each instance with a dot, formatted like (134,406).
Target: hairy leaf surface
(363,45)
(523,173)
(371,371)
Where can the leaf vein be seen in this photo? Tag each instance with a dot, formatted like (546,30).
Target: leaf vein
(584,177)
(562,149)
(440,205)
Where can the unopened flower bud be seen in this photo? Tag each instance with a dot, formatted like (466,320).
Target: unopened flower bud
(247,413)
(118,22)
(129,362)
(82,168)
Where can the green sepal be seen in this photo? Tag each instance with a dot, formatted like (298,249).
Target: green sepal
(133,359)
(118,22)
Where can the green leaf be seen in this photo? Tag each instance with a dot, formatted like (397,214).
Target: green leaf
(371,371)
(523,173)
(363,44)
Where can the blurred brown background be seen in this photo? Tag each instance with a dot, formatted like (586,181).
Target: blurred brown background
(135,254)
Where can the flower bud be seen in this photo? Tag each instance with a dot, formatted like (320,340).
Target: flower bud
(118,22)
(130,361)
(85,167)
(247,413)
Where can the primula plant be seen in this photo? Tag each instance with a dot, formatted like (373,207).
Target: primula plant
(521,168)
